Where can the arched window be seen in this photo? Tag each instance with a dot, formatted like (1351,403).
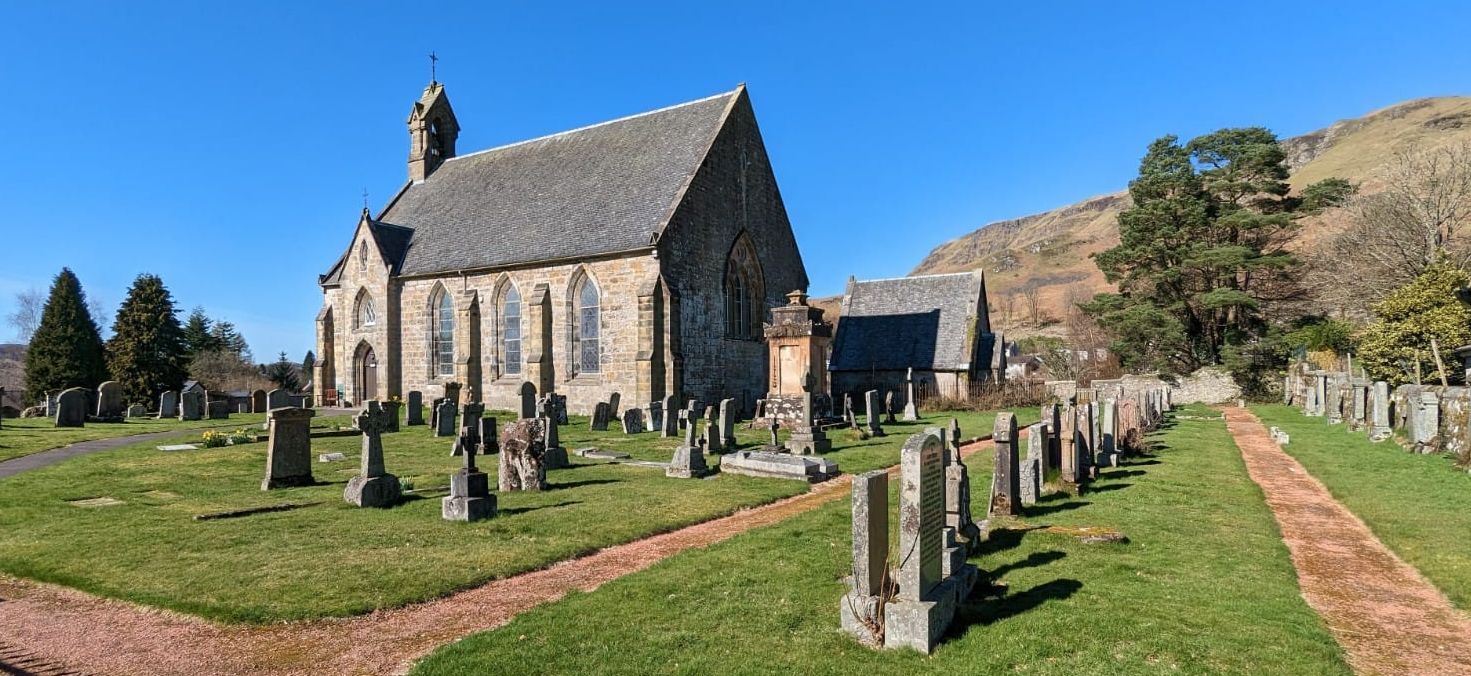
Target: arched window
(442,333)
(363,255)
(585,333)
(367,312)
(744,291)
(510,331)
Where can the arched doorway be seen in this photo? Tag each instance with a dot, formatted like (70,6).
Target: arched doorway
(366,370)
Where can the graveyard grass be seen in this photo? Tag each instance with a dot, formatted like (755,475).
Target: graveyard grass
(26,436)
(1205,585)
(1417,505)
(330,558)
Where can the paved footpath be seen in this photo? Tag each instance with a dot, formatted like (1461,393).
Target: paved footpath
(68,629)
(1388,618)
(26,463)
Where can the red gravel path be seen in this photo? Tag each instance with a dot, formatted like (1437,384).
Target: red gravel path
(68,629)
(1388,618)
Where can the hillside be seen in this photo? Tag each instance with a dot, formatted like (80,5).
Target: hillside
(1051,251)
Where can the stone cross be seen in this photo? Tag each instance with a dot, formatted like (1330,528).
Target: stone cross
(288,448)
(714,440)
(468,439)
(911,410)
(848,418)
(372,424)
(372,487)
(1006,480)
(952,441)
(689,458)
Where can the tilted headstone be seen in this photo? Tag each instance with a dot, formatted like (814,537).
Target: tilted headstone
(372,486)
(258,402)
(110,400)
(444,419)
(416,408)
(613,401)
(633,421)
(689,458)
(71,408)
(278,398)
(911,410)
(727,424)
(528,400)
(871,406)
(523,445)
(469,496)
(670,428)
(191,405)
(288,448)
(168,404)
(1006,480)
(600,415)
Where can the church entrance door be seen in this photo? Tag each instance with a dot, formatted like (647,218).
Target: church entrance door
(367,384)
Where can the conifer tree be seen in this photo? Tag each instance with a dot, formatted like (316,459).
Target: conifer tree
(198,338)
(146,353)
(283,374)
(66,350)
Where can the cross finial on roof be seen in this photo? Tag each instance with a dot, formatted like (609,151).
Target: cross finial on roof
(433,67)
(365,199)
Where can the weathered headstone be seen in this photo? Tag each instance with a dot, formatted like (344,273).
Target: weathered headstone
(469,496)
(889,407)
(71,408)
(218,410)
(416,408)
(258,402)
(871,405)
(110,400)
(392,408)
(911,410)
(1379,428)
(689,458)
(860,608)
(1426,425)
(288,448)
(1052,419)
(453,392)
(713,440)
(613,401)
(960,524)
(600,414)
(278,398)
(848,418)
(670,428)
(137,411)
(444,419)
(1006,480)
(1334,402)
(656,416)
(168,404)
(523,445)
(489,442)
(633,421)
(191,405)
(528,400)
(727,424)
(1034,465)
(806,437)
(372,486)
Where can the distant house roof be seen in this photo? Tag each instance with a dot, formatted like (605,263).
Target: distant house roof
(602,189)
(929,322)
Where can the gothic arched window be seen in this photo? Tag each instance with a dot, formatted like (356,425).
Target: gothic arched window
(744,291)
(367,312)
(585,332)
(510,331)
(442,333)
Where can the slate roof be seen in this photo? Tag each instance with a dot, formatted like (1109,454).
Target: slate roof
(601,189)
(922,322)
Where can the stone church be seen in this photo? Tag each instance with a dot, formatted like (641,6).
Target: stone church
(637,256)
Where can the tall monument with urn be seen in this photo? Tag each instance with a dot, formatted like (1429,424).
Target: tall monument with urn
(799,341)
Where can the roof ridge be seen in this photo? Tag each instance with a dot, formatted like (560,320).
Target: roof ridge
(900,279)
(625,118)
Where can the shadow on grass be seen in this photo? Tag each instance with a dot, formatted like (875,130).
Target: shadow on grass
(1000,540)
(1061,507)
(1033,560)
(1109,487)
(1138,463)
(991,611)
(512,511)
(1123,474)
(580,484)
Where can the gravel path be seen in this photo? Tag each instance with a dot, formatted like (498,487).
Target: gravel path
(70,629)
(1388,618)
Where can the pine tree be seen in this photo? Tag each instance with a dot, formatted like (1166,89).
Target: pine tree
(228,338)
(198,338)
(66,350)
(283,374)
(146,353)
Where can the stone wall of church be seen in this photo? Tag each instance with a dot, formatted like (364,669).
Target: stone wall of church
(618,281)
(734,190)
(353,338)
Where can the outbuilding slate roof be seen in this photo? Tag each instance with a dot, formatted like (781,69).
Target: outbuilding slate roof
(601,189)
(927,322)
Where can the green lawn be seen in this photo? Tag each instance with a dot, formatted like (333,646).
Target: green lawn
(1418,505)
(332,559)
(1204,586)
(24,436)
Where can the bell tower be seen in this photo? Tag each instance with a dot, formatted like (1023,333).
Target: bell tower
(432,132)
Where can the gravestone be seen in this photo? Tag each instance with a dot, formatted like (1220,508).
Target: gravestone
(416,408)
(218,410)
(860,608)
(288,448)
(727,424)
(1334,403)
(806,437)
(555,456)
(689,458)
(434,413)
(452,393)
(559,407)
(889,407)
(277,398)
(1379,428)
(911,410)
(1033,467)
(670,428)
(110,400)
(444,418)
(1108,452)
(848,418)
(468,438)
(168,404)
(656,415)
(392,408)
(1426,424)
(528,400)
(1359,406)
(372,486)
(489,444)
(613,401)
(959,523)
(258,402)
(712,438)
(871,405)
(523,445)
(600,414)
(191,405)
(469,496)
(1072,450)
(137,411)
(691,412)
(633,421)
(1006,480)
(71,408)
(1051,418)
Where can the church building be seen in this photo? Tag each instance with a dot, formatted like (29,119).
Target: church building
(637,256)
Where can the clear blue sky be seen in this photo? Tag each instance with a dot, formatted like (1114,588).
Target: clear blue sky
(226,147)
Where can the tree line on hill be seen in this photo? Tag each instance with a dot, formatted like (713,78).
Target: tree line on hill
(1207,275)
(150,350)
